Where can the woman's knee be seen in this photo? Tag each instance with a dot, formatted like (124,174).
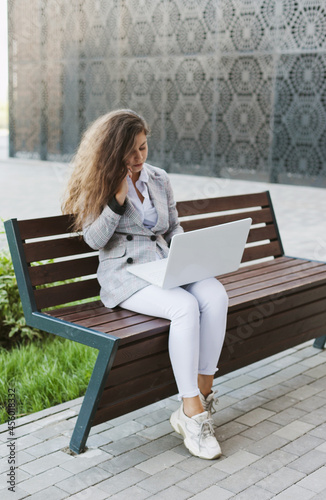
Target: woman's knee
(210,292)
(186,307)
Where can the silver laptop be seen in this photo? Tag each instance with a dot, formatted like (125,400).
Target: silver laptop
(197,255)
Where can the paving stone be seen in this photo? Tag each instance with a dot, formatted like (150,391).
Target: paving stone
(123,462)
(254,492)
(316,481)
(45,463)
(164,443)
(295,492)
(298,381)
(45,479)
(212,493)
(236,462)
(134,492)
(192,464)
(90,493)
(320,496)
(303,444)
(230,429)
(250,403)
(120,482)
(47,447)
(240,381)
(51,493)
(274,392)
(264,371)
(254,417)
(234,444)
(172,493)
(228,414)
(242,479)
(261,430)
(280,480)
(293,430)
(202,480)
(267,445)
(156,431)
(316,417)
(319,431)
(313,361)
(280,404)
(85,461)
(160,462)
(78,482)
(287,416)
(54,430)
(224,402)
(309,462)
(122,431)
(317,372)
(61,416)
(274,461)
(163,479)
(96,429)
(18,494)
(124,444)
(310,404)
(287,361)
(154,417)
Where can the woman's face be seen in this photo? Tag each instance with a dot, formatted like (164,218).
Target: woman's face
(136,159)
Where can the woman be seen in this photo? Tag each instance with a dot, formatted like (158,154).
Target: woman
(126,210)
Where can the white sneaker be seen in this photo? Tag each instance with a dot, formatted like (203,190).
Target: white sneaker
(198,433)
(208,403)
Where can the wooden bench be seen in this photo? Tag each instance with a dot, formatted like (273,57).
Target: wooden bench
(276,302)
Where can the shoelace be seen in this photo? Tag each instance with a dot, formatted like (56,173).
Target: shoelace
(206,430)
(210,405)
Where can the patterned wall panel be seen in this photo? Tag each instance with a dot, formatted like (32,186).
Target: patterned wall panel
(229,87)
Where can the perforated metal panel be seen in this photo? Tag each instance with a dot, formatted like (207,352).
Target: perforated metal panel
(229,87)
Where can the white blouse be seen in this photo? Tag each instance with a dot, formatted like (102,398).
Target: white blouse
(146,209)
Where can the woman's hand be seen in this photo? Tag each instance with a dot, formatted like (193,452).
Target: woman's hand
(122,192)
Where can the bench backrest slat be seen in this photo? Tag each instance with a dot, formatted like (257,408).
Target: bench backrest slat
(263,233)
(51,238)
(64,294)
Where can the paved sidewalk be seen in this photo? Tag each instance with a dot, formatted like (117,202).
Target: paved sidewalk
(270,422)
(271,416)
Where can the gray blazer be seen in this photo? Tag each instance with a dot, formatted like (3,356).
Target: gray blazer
(123,240)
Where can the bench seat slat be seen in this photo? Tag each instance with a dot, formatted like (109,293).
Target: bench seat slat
(280,274)
(277,288)
(87,315)
(245,272)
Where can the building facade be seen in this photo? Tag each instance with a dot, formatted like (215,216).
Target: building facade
(229,87)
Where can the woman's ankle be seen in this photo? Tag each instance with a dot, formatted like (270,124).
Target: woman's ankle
(192,406)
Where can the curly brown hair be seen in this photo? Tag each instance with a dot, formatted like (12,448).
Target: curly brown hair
(99,164)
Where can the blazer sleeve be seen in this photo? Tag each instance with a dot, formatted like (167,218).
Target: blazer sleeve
(174,224)
(98,233)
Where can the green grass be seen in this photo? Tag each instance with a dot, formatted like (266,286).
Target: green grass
(44,373)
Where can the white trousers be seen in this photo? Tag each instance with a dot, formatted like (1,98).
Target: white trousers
(198,320)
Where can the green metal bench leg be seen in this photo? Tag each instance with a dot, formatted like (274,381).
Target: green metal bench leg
(320,342)
(93,394)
